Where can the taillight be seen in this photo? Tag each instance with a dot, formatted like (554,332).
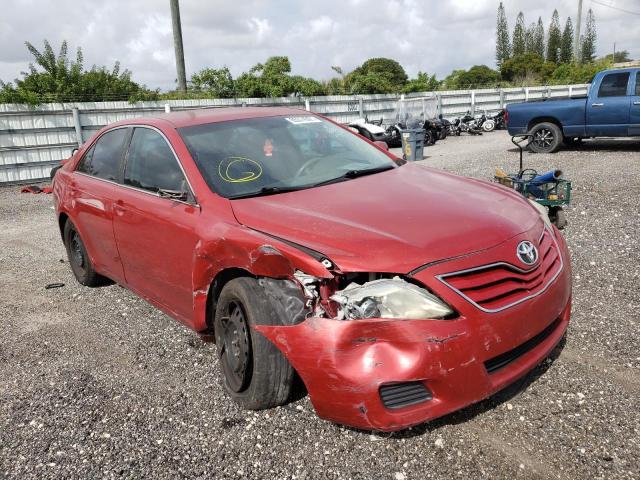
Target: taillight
(506,116)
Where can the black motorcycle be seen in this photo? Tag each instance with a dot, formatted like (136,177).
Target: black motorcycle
(499,119)
(467,124)
(433,131)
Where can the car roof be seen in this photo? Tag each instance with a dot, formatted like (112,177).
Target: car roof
(187,118)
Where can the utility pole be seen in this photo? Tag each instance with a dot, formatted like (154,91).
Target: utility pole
(614,52)
(576,43)
(177,43)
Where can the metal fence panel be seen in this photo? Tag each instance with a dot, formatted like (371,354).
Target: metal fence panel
(33,139)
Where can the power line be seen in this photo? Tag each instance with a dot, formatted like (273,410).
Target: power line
(615,8)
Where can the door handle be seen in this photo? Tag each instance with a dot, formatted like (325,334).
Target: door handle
(597,104)
(636,103)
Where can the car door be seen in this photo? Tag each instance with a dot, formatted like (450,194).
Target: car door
(156,235)
(634,111)
(92,192)
(608,108)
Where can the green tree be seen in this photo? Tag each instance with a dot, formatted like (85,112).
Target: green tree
(530,38)
(503,46)
(555,39)
(306,87)
(519,40)
(538,43)
(376,75)
(422,83)
(621,56)
(579,72)
(59,78)
(369,83)
(566,44)
(588,47)
(218,83)
(476,77)
(335,86)
(527,68)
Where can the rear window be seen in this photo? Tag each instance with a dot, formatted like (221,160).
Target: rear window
(103,159)
(614,85)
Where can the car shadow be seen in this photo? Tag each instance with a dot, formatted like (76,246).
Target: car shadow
(470,412)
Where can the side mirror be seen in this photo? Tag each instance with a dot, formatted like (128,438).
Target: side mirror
(382,145)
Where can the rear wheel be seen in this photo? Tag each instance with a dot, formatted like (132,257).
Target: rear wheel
(79,260)
(546,138)
(255,373)
(488,125)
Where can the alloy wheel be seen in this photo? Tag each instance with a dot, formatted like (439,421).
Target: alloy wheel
(543,138)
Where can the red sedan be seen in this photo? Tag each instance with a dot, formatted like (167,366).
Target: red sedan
(397,292)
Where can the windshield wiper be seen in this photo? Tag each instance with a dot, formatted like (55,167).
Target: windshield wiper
(355,174)
(266,191)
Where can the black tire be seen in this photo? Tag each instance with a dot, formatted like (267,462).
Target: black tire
(558,217)
(428,138)
(547,138)
(256,374)
(79,260)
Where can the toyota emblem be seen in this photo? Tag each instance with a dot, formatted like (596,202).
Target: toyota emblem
(527,252)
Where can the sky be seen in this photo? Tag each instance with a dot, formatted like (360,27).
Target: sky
(432,36)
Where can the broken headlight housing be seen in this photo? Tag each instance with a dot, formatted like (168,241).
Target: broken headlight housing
(543,213)
(389,298)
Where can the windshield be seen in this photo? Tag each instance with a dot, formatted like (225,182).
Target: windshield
(273,154)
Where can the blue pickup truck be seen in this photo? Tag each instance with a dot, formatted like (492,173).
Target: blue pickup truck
(611,109)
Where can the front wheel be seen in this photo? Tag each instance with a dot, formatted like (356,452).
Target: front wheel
(546,138)
(255,373)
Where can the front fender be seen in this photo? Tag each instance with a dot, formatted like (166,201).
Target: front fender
(238,247)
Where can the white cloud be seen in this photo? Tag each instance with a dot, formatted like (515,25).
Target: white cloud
(435,37)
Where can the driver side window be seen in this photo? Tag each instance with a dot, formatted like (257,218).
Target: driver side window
(151,164)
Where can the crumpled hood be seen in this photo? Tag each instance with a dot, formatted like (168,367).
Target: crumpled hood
(394,221)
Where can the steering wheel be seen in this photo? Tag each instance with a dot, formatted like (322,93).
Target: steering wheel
(307,164)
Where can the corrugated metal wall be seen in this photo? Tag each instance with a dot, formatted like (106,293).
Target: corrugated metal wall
(33,139)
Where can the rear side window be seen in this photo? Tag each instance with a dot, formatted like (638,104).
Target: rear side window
(103,159)
(638,84)
(151,164)
(614,85)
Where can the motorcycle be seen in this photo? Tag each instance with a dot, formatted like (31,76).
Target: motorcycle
(370,130)
(432,131)
(487,124)
(500,120)
(467,124)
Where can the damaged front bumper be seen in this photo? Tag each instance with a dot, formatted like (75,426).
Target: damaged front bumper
(349,366)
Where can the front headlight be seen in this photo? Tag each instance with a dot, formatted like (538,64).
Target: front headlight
(389,298)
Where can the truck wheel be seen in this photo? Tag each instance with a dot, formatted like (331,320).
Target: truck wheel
(256,374)
(547,138)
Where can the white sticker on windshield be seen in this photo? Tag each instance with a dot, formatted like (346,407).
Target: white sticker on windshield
(300,119)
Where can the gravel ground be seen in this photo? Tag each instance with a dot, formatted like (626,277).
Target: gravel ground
(96,383)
